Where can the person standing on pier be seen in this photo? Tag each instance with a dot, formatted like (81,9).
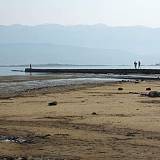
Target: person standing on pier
(135,64)
(139,64)
(30,67)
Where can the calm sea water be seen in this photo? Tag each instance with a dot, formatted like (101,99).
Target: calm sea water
(7,71)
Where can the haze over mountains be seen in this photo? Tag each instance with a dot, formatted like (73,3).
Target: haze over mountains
(82,44)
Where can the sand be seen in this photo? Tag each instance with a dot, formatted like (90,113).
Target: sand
(89,123)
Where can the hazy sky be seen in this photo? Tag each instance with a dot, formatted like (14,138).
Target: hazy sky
(71,12)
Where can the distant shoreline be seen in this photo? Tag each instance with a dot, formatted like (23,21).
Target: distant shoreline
(53,65)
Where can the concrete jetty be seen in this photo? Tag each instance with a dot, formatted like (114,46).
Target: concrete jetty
(96,71)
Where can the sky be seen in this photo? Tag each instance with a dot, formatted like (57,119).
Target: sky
(73,12)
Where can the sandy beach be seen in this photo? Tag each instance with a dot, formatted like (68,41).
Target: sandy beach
(90,122)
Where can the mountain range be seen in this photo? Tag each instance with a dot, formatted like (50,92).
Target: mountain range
(81,44)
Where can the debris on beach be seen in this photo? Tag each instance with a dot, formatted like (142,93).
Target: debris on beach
(151,94)
(14,158)
(94,113)
(137,81)
(54,103)
(13,139)
(154,94)
(148,89)
(23,140)
(120,89)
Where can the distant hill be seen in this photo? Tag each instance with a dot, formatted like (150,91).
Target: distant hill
(81,44)
(49,53)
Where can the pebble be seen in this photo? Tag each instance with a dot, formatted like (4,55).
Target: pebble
(54,103)
(120,89)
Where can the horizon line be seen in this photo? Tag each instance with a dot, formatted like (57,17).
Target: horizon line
(74,25)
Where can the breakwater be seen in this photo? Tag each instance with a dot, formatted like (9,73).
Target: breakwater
(96,71)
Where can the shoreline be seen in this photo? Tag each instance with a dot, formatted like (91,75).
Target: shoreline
(13,86)
(50,76)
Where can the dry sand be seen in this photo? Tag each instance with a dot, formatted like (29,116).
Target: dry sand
(124,125)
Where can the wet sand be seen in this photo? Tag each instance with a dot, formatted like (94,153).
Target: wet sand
(90,122)
(13,86)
